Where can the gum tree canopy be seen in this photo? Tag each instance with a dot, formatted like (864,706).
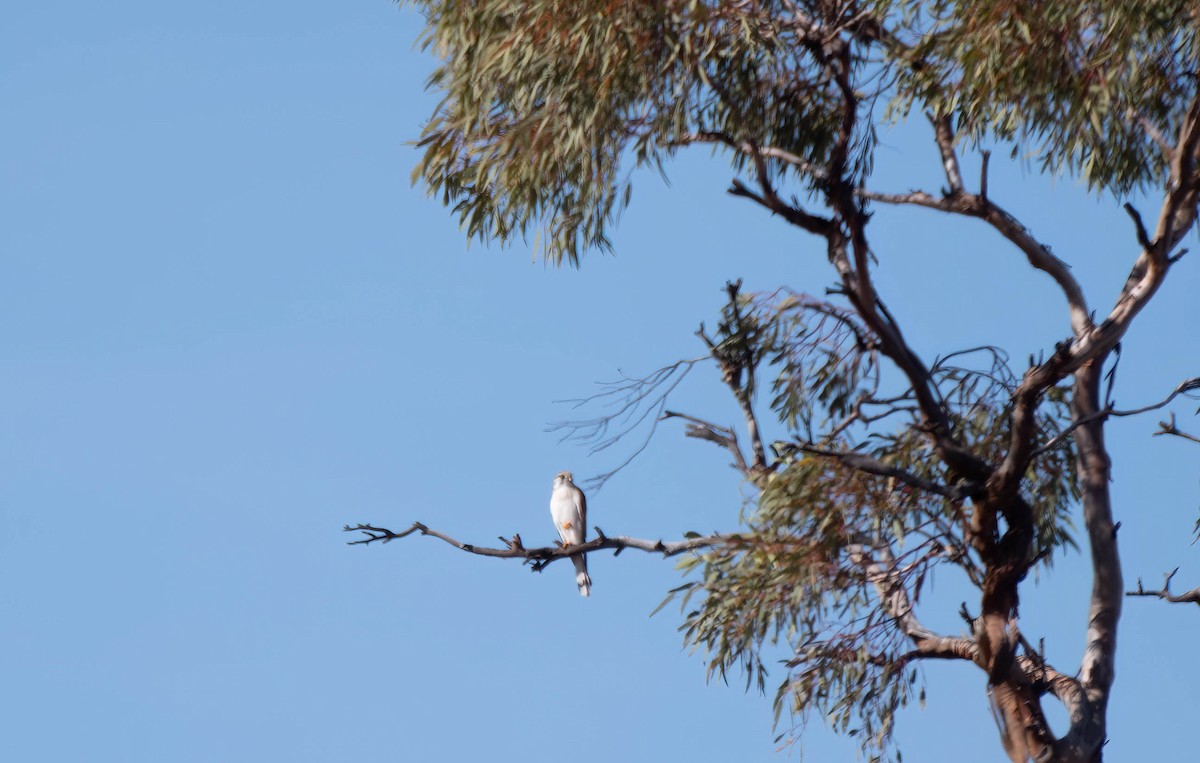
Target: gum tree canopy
(893,464)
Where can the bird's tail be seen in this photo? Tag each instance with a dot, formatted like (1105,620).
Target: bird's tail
(581,575)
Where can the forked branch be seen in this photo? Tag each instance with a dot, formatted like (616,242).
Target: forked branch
(1188,597)
(1169,428)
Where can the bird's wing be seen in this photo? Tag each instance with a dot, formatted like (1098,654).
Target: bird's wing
(581,507)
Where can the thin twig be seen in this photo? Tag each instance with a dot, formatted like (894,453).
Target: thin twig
(632,401)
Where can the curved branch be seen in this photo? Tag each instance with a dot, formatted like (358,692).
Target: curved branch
(793,214)
(1037,253)
(538,558)
(849,252)
(932,646)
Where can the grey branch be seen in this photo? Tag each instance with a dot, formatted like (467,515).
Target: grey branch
(538,558)
(943,128)
(725,437)
(959,201)
(1188,597)
(983,175)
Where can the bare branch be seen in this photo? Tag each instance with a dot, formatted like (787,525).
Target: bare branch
(769,198)
(1094,468)
(725,437)
(943,128)
(1176,217)
(931,646)
(1188,597)
(631,401)
(864,463)
(1086,351)
(1186,386)
(538,558)
(1037,253)
(794,215)
(850,253)
(1169,428)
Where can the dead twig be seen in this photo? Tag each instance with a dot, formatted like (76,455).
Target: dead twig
(1188,597)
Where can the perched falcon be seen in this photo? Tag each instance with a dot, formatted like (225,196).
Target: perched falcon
(568,508)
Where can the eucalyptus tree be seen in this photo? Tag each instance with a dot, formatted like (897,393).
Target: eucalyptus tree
(893,464)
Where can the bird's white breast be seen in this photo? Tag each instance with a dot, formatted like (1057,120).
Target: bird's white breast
(566,503)
(562,504)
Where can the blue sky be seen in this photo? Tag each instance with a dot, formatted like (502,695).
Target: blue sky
(231,326)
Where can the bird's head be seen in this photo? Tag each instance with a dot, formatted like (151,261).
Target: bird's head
(564,478)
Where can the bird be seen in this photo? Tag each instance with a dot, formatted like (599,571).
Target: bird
(568,509)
